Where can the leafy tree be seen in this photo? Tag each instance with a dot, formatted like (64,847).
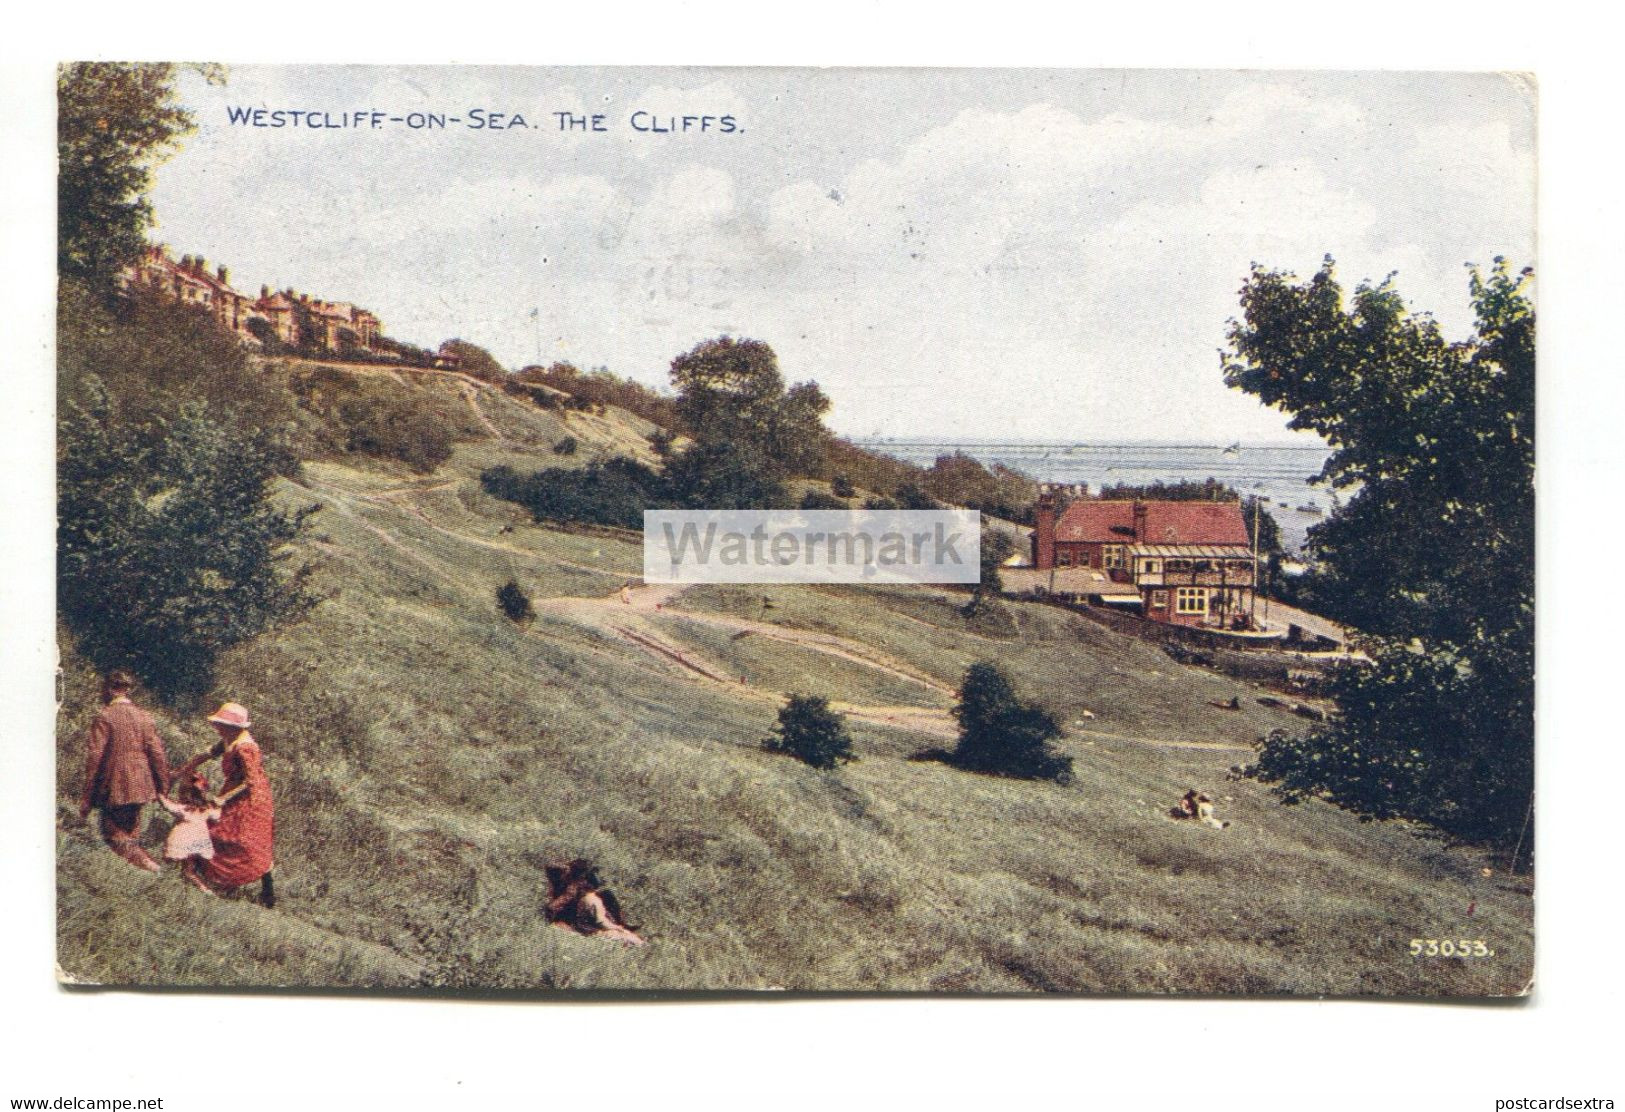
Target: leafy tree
(168,548)
(115,120)
(474,360)
(996,548)
(809,731)
(514,602)
(151,355)
(719,475)
(961,480)
(1002,735)
(1433,553)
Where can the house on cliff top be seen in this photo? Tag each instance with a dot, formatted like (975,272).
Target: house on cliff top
(297,320)
(1187,563)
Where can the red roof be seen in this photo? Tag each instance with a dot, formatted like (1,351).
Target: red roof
(1164,523)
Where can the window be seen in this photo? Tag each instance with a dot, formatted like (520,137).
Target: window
(1191,600)
(1159,600)
(1063,557)
(1151,567)
(1114,556)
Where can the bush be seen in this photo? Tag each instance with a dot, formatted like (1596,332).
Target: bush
(168,547)
(809,731)
(566,447)
(613,492)
(474,360)
(818,500)
(514,602)
(1001,735)
(910,497)
(842,487)
(393,428)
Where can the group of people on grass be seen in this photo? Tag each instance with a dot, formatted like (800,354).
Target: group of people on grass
(221,840)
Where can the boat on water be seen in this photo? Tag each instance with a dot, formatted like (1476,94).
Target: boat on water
(1311,508)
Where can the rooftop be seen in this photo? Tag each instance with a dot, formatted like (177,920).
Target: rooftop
(1164,523)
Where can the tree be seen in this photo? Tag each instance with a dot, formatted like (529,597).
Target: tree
(114,122)
(809,731)
(1002,735)
(168,548)
(996,548)
(474,360)
(1433,554)
(732,397)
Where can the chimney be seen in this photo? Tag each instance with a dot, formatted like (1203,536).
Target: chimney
(265,293)
(1044,530)
(1139,522)
(221,274)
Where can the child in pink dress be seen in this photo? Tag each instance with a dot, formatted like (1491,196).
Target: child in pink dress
(189,840)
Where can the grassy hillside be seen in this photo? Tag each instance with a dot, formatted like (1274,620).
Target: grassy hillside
(428,757)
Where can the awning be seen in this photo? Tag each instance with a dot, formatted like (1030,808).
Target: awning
(1192,551)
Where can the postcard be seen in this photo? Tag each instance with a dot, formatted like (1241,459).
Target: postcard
(758,530)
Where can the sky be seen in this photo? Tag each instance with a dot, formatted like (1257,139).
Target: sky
(1034,254)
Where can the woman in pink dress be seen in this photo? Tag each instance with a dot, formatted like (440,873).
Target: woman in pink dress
(242,837)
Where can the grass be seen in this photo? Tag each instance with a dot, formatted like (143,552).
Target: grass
(429,757)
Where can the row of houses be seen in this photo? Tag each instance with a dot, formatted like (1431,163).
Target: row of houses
(294,319)
(1186,563)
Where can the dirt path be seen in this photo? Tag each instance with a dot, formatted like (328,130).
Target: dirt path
(637,617)
(471,396)
(651,601)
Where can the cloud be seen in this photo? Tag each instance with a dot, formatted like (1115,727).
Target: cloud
(1043,263)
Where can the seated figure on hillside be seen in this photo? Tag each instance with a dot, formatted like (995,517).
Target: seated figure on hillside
(578,901)
(1196,805)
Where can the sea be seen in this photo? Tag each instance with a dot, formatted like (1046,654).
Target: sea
(1283,475)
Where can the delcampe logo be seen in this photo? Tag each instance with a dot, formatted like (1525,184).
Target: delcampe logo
(812,546)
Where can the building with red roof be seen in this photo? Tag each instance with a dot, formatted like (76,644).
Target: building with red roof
(1190,563)
(335,326)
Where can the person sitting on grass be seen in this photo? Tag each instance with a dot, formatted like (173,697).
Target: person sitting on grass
(1197,805)
(194,809)
(578,901)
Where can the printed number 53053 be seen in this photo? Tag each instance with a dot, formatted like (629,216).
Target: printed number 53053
(1450,948)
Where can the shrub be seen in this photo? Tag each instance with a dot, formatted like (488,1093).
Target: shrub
(809,731)
(818,500)
(168,547)
(393,428)
(612,492)
(566,447)
(1002,735)
(474,360)
(911,497)
(514,602)
(842,487)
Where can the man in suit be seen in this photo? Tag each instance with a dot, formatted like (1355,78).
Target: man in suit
(125,770)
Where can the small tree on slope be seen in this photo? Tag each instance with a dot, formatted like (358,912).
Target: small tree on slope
(1001,734)
(809,731)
